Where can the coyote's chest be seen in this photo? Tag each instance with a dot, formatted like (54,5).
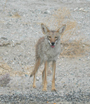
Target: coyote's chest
(51,54)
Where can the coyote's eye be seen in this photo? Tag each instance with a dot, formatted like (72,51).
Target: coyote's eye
(49,37)
(56,37)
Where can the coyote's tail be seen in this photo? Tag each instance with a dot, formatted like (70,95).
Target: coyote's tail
(33,72)
(36,68)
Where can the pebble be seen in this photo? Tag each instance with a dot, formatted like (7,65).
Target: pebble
(76,9)
(37,78)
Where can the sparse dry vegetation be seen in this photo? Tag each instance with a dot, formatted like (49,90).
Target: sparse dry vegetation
(74,49)
(6,69)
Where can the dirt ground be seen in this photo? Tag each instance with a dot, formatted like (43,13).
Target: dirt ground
(19,31)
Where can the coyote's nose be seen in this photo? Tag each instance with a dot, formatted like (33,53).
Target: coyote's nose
(53,43)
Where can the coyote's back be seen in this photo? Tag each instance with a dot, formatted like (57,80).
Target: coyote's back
(47,50)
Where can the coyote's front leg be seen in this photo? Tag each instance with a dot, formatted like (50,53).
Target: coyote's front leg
(53,78)
(45,77)
(34,81)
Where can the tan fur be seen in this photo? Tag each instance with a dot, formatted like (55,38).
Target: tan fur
(47,50)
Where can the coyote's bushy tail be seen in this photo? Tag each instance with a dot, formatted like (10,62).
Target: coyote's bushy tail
(36,67)
(33,72)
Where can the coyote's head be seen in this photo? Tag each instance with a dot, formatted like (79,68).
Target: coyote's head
(51,35)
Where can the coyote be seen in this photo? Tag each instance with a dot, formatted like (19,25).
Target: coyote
(47,50)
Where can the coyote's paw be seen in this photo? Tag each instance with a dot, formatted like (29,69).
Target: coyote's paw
(53,89)
(34,86)
(44,89)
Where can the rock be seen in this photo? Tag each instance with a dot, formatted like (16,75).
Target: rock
(4,80)
(4,41)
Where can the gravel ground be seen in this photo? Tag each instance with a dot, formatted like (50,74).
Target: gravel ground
(19,31)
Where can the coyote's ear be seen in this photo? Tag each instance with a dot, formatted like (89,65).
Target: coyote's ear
(44,28)
(61,30)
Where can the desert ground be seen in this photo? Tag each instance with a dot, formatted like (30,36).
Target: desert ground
(20,28)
